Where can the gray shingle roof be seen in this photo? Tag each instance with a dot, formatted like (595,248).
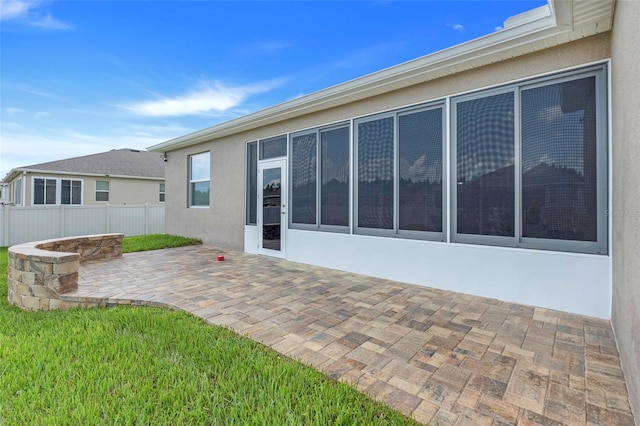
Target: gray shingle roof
(117,162)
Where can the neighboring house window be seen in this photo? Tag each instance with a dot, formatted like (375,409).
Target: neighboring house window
(252,183)
(161,193)
(17,192)
(71,192)
(48,191)
(44,191)
(199,179)
(102,190)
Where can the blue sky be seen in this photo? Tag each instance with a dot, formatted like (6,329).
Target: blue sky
(81,77)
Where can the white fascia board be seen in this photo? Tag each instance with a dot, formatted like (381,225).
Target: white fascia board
(77,174)
(543,24)
(13,174)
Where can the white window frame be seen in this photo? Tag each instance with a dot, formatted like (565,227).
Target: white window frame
(192,181)
(102,191)
(71,189)
(161,192)
(18,192)
(58,190)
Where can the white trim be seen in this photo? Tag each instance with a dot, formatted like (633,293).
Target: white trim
(63,173)
(276,163)
(192,181)
(58,191)
(101,191)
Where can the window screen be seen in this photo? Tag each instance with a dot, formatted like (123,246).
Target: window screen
(375,173)
(485,166)
(334,202)
(420,161)
(273,147)
(559,183)
(304,159)
(44,191)
(71,192)
(161,193)
(102,190)
(17,192)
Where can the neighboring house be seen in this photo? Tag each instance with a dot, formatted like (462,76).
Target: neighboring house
(4,194)
(119,176)
(504,167)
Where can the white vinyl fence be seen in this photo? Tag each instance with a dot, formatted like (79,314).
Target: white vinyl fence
(23,224)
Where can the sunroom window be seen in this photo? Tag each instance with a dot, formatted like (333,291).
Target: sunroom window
(530,165)
(320,179)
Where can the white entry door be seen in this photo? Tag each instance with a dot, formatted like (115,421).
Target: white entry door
(272,212)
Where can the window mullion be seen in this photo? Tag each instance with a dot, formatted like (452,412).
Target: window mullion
(318,179)
(517,166)
(396,174)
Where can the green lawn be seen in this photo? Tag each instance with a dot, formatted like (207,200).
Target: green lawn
(129,365)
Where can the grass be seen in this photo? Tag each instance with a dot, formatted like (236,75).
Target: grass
(155,242)
(141,365)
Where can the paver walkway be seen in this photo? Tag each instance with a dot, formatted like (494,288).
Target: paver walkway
(441,357)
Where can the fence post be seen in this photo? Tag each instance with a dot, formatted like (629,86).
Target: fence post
(62,234)
(108,217)
(146,218)
(5,226)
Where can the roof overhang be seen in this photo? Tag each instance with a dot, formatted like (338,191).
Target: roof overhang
(15,173)
(556,23)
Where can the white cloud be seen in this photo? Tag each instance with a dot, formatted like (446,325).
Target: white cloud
(457,27)
(211,97)
(14,9)
(12,111)
(49,23)
(498,28)
(26,12)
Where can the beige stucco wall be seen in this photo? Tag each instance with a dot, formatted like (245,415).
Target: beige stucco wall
(626,196)
(222,223)
(122,190)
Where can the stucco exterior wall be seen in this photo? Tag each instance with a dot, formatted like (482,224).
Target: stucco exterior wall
(222,223)
(122,190)
(626,198)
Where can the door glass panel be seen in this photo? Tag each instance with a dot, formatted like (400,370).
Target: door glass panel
(271,202)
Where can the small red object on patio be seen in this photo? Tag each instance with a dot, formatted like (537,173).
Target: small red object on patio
(220,258)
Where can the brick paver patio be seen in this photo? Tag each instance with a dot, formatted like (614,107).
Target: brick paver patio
(441,357)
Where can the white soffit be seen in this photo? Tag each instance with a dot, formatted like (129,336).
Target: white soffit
(558,22)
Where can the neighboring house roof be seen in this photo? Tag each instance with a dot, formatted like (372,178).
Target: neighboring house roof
(130,163)
(558,22)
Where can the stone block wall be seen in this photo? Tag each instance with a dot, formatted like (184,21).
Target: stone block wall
(40,271)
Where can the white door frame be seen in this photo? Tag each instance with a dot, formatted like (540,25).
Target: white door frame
(262,247)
